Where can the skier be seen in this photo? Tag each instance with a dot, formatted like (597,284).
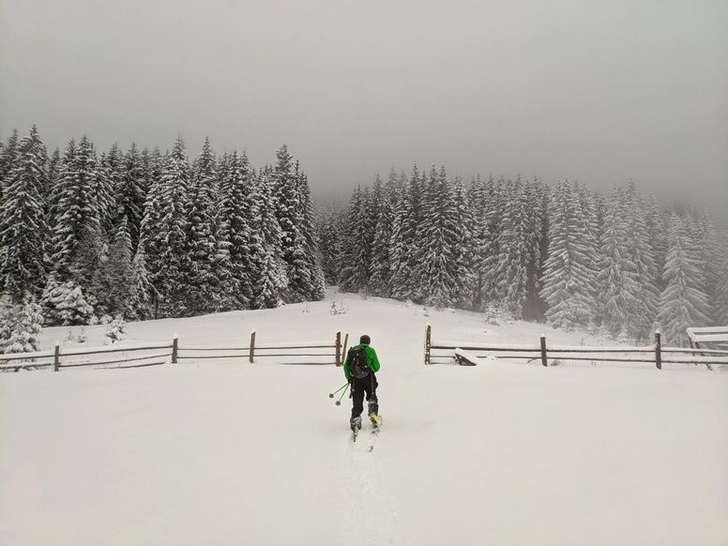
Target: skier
(359,367)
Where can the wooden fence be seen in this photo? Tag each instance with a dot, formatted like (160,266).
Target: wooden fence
(314,353)
(116,356)
(466,353)
(155,354)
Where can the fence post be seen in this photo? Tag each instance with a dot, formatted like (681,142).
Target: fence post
(175,349)
(252,347)
(658,350)
(544,361)
(338,348)
(57,357)
(428,342)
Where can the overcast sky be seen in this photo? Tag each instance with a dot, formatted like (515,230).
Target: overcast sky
(600,91)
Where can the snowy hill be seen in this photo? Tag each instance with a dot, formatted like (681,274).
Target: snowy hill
(232,453)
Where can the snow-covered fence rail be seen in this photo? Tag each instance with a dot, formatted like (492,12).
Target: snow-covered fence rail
(311,353)
(467,353)
(117,356)
(28,361)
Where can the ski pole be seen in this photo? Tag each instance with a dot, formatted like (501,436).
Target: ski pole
(338,402)
(331,394)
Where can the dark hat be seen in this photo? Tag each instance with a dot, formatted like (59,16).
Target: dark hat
(365,340)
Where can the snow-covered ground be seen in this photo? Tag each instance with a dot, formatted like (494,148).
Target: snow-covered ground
(230,453)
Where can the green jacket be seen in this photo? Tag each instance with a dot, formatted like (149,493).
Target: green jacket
(372,360)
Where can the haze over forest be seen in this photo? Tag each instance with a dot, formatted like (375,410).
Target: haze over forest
(600,93)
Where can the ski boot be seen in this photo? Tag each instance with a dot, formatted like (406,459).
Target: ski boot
(376,420)
(355,426)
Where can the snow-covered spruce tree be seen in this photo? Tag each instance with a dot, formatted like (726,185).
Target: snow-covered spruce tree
(65,303)
(109,175)
(439,265)
(486,197)
(76,225)
(330,242)
(75,194)
(54,172)
(313,285)
(514,252)
(567,283)
(464,255)
(203,289)
(7,157)
(381,266)
(20,326)
(142,291)
(640,257)
(116,330)
(537,197)
(269,270)
(287,207)
(616,277)
(152,166)
(23,230)
(357,239)
(406,246)
(683,303)
(130,193)
(115,277)
(657,226)
(164,231)
(234,232)
(708,247)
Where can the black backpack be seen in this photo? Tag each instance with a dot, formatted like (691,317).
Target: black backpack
(358,367)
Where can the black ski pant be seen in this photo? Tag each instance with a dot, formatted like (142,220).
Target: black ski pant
(361,387)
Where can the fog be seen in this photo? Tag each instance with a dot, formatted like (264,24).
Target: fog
(603,92)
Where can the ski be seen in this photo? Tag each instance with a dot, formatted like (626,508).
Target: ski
(376,424)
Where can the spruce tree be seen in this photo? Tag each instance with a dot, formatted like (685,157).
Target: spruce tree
(23,230)
(234,225)
(357,240)
(131,193)
(407,240)
(641,267)
(164,233)
(464,254)
(381,266)
(269,269)
(8,153)
(202,283)
(682,303)
(566,287)
(109,177)
(616,277)
(439,265)
(511,276)
(142,292)
(76,236)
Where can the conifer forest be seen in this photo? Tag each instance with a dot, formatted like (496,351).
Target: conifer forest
(621,263)
(88,235)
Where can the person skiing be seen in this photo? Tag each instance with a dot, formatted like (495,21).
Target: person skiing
(359,368)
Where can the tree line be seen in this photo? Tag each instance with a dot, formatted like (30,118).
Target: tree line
(619,262)
(144,234)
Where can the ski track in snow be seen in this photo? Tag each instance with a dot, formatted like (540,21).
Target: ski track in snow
(370,519)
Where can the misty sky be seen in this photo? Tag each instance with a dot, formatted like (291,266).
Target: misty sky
(600,91)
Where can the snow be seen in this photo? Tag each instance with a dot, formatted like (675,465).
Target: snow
(233,453)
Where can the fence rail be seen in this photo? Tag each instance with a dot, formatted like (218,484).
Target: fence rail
(253,351)
(129,356)
(466,353)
